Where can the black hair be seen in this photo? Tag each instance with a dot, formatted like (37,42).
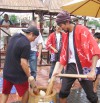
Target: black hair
(64,22)
(97,35)
(5,15)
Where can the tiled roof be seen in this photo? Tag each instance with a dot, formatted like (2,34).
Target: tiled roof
(54,5)
(28,5)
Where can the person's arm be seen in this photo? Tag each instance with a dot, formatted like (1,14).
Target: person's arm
(10,22)
(40,46)
(55,50)
(25,67)
(92,74)
(31,80)
(24,59)
(59,70)
(49,42)
(5,26)
(93,50)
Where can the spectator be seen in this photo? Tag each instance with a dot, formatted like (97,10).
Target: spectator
(93,30)
(54,44)
(35,53)
(5,31)
(97,37)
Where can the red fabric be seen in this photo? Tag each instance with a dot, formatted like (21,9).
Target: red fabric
(21,88)
(51,41)
(85,44)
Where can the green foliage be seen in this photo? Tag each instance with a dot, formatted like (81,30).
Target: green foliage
(48,23)
(94,22)
(13,19)
(1,18)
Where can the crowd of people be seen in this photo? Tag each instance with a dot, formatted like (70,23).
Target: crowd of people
(73,45)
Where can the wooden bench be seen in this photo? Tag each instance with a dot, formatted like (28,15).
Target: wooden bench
(45,57)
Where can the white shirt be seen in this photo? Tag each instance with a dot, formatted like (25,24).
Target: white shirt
(34,44)
(5,29)
(58,36)
(71,49)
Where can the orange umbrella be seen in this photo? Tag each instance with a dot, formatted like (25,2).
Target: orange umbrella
(83,7)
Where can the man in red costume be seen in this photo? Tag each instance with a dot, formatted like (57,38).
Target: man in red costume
(79,53)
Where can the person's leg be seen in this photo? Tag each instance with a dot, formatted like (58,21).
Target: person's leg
(6,90)
(33,63)
(23,92)
(88,88)
(4,98)
(25,97)
(51,69)
(63,100)
(67,83)
(2,43)
(65,89)
(5,41)
(96,83)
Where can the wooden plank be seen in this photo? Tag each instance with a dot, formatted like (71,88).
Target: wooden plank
(72,75)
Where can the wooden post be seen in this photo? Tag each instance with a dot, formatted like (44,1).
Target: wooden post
(41,22)
(50,23)
(85,21)
(33,15)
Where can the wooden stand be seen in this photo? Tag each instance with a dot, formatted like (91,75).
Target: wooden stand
(40,99)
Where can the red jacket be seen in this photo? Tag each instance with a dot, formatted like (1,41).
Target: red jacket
(85,45)
(51,41)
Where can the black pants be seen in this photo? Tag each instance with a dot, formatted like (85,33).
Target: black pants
(52,68)
(87,85)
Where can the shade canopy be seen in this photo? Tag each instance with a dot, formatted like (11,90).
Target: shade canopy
(83,7)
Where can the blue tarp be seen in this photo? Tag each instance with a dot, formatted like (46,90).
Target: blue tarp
(13,90)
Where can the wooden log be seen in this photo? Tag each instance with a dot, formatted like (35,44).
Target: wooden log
(50,86)
(73,75)
(52,98)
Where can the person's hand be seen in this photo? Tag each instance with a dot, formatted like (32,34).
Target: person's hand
(55,51)
(91,75)
(36,91)
(56,73)
(33,85)
(7,26)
